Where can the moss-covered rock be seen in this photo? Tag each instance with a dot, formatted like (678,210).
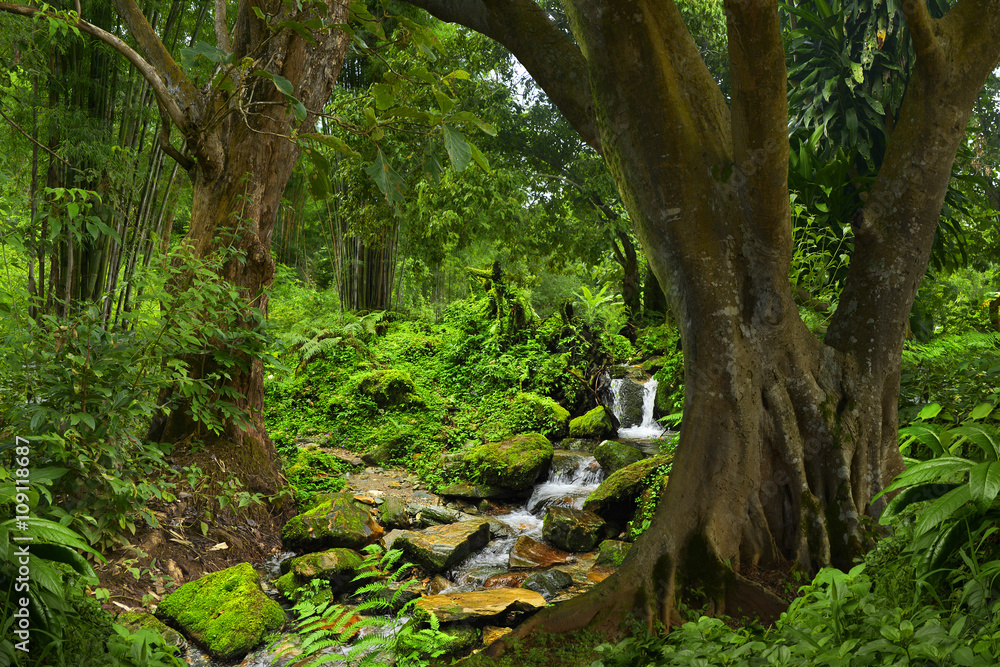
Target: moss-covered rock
(615,499)
(393,513)
(335,520)
(611,553)
(572,529)
(514,463)
(226,612)
(613,456)
(390,388)
(531,412)
(549,582)
(595,424)
(479,492)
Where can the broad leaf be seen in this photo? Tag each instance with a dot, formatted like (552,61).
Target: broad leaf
(942,509)
(984,483)
(387,179)
(457,147)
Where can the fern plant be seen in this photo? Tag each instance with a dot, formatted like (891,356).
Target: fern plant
(382,630)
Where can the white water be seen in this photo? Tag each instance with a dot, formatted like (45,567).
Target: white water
(648,429)
(568,488)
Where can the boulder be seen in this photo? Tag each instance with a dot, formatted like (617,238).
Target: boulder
(393,513)
(440,547)
(390,388)
(595,424)
(571,529)
(337,566)
(615,499)
(432,515)
(336,520)
(549,583)
(479,491)
(514,463)
(611,553)
(614,456)
(541,414)
(628,403)
(527,552)
(493,606)
(226,612)
(506,580)
(492,633)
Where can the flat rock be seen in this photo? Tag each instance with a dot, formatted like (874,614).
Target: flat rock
(532,553)
(482,606)
(479,491)
(571,529)
(549,583)
(440,547)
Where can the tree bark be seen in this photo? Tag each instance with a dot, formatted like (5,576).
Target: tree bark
(786,439)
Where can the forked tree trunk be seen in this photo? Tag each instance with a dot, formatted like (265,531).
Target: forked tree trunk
(786,439)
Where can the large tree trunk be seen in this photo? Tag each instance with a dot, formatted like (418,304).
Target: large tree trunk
(786,439)
(242,165)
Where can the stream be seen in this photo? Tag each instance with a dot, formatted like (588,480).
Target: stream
(573,475)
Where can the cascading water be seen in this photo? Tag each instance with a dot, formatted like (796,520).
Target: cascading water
(632,398)
(573,477)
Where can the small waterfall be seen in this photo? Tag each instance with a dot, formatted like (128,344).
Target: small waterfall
(633,406)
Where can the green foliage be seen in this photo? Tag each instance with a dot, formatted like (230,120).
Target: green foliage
(379,630)
(315,471)
(650,498)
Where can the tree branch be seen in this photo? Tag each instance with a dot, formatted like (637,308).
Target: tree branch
(925,42)
(548,53)
(221,29)
(760,118)
(160,87)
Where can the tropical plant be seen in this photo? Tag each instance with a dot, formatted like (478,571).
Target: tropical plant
(379,631)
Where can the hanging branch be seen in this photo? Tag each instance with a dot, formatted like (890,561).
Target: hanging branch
(32,140)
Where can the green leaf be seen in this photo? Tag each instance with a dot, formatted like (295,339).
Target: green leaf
(444,102)
(432,166)
(984,435)
(336,143)
(281,83)
(479,158)
(469,117)
(457,147)
(319,175)
(942,509)
(387,179)
(385,96)
(981,411)
(857,72)
(984,483)
(929,411)
(72,209)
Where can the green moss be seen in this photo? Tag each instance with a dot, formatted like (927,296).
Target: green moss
(594,424)
(627,482)
(226,611)
(335,521)
(315,471)
(135,620)
(514,463)
(390,388)
(614,456)
(531,412)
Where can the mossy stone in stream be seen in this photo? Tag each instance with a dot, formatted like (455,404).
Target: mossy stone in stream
(529,411)
(137,620)
(615,499)
(514,463)
(614,456)
(226,612)
(594,424)
(336,520)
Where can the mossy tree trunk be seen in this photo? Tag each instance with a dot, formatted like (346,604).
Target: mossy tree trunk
(786,439)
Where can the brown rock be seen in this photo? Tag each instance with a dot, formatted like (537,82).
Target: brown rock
(506,580)
(532,553)
(440,547)
(492,633)
(481,605)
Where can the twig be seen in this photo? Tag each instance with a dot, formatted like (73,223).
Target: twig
(33,140)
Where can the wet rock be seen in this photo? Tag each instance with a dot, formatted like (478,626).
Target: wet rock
(653,364)
(500,605)
(506,580)
(390,538)
(579,444)
(614,456)
(611,553)
(514,463)
(462,639)
(499,529)
(595,424)
(440,547)
(437,584)
(394,514)
(336,520)
(226,612)
(615,499)
(571,529)
(628,403)
(337,566)
(532,553)
(492,633)
(479,491)
(432,515)
(549,583)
